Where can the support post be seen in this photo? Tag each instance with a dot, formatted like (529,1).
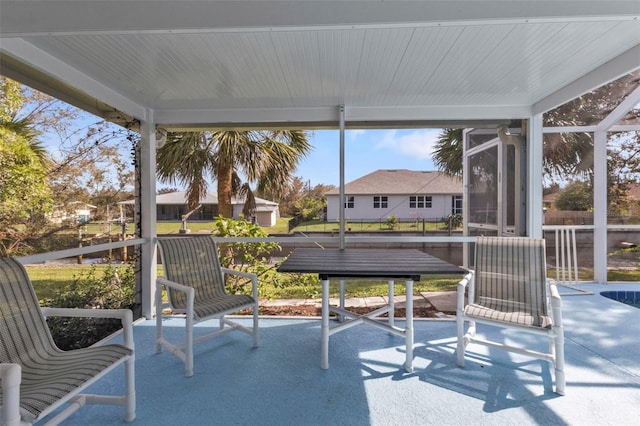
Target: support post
(342,194)
(600,207)
(147,222)
(534,155)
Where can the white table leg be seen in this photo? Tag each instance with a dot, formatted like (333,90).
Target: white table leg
(324,330)
(409,327)
(341,317)
(392,306)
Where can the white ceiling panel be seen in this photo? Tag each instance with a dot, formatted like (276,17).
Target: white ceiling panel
(294,62)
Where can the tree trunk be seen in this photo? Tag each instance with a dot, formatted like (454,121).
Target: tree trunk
(225,175)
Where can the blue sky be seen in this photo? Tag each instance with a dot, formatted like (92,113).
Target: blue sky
(365,152)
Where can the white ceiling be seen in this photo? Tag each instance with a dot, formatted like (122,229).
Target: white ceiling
(291,63)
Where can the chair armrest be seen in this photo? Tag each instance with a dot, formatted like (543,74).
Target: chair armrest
(174,285)
(10,378)
(467,281)
(555,301)
(124,315)
(190,292)
(254,278)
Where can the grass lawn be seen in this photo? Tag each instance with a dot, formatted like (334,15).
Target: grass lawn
(49,280)
(281,227)
(311,288)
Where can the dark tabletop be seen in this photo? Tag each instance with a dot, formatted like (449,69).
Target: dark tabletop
(363,263)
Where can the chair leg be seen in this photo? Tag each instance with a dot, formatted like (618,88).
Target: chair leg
(130,390)
(10,379)
(256,338)
(158,319)
(158,335)
(559,360)
(461,346)
(188,350)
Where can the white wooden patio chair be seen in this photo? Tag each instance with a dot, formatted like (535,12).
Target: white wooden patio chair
(509,288)
(195,284)
(37,377)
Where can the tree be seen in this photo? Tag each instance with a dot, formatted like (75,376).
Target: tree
(83,162)
(576,196)
(287,199)
(265,158)
(185,159)
(24,192)
(313,203)
(12,102)
(447,155)
(299,198)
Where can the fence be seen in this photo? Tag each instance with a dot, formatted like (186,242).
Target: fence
(369,225)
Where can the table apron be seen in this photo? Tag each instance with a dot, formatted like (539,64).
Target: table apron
(329,277)
(368,319)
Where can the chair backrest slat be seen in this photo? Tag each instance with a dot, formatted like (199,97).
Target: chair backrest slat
(192,261)
(510,274)
(24,335)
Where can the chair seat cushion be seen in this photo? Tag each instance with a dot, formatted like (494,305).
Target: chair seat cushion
(48,377)
(207,307)
(513,317)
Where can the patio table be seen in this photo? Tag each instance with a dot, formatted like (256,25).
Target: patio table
(352,263)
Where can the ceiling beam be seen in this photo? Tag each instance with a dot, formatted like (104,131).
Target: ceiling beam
(356,117)
(620,111)
(53,76)
(51,17)
(617,67)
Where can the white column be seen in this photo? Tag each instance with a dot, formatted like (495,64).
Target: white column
(534,150)
(600,207)
(148,213)
(342,198)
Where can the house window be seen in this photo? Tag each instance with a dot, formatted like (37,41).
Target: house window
(380,202)
(349,202)
(420,201)
(456,204)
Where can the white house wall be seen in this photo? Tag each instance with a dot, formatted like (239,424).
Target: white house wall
(264,218)
(397,205)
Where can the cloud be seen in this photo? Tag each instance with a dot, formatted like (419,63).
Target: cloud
(418,144)
(354,134)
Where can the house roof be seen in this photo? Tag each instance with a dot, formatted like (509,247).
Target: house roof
(292,63)
(403,182)
(179,198)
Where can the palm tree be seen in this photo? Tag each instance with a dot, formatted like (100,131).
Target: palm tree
(184,159)
(448,153)
(264,158)
(11,103)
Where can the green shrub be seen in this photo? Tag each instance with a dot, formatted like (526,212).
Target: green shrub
(452,221)
(114,289)
(247,257)
(392,222)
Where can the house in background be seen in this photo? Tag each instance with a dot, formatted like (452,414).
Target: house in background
(407,194)
(173,205)
(75,211)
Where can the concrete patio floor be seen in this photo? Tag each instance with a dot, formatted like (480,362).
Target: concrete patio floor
(281,383)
